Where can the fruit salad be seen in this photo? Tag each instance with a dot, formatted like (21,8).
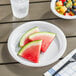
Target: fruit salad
(66,7)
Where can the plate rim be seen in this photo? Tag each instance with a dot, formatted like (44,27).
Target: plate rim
(62,52)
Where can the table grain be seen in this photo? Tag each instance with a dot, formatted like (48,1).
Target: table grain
(39,11)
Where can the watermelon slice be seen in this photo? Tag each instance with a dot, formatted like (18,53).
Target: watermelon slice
(46,38)
(31,51)
(24,39)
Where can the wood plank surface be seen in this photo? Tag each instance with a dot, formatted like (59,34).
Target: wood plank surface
(5,56)
(20,70)
(36,11)
(67,26)
(4,1)
(8,1)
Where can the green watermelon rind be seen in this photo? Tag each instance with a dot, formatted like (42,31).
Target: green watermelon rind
(28,45)
(42,33)
(25,34)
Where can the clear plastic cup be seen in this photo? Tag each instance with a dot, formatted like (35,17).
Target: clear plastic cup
(20,8)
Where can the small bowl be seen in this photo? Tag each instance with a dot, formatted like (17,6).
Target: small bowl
(53,53)
(52,6)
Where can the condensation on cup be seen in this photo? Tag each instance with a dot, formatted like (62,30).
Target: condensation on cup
(20,8)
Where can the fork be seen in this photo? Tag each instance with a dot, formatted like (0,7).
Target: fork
(72,59)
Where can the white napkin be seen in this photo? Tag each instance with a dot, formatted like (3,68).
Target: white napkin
(69,70)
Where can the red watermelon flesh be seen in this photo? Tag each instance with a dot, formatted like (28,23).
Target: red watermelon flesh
(46,38)
(63,1)
(31,51)
(24,39)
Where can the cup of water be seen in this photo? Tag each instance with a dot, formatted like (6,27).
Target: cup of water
(20,8)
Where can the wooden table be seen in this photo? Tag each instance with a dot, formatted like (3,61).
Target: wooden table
(39,10)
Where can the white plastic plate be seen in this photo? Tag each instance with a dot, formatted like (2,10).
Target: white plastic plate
(53,53)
